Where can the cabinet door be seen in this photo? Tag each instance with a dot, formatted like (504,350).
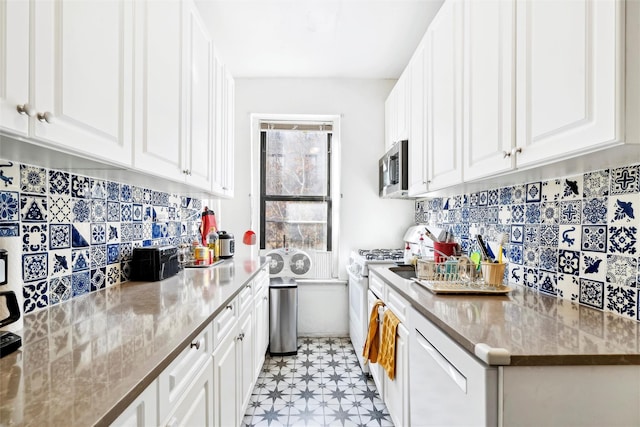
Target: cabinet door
(218,154)
(14,56)
(225,392)
(261,326)
(196,407)
(229,134)
(396,392)
(417,135)
(374,368)
(143,411)
(403,106)
(388,119)
(443,71)
(245,361)
(489,91)
(159,103)
(200,112)
(83,76)
(570,83)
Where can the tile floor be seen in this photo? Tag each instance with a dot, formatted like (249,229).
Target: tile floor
(323,385)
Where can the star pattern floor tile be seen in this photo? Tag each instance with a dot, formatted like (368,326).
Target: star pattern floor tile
(323,385)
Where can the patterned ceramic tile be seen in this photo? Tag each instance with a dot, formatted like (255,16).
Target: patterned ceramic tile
(80,186)
(98,233)
(60,263)
(568,287)
(594,238)
(531,277)
(137,212)
(8,229)
(113,254)
(596,184)
(36,295)
(549,212)
(9,206)
(549,235)
(9,175)
(33,208)
(60,209)
(534,192)
(531,235)
(548,283)
(98,189)
(531,256)
(551,190)
(113,211)
(623,240)
(80,260)
(113,191)
(622,270)
(59,236)
(81,210)
(98,278)
(593,265)
(137,194)
(569,262)
(59,289)
(506,195)
(34,238)
(624,180)
(624,209)
(594,211)
(33,180)
(126,213)
(125,193)
(80,283)
(125,271)
(34,267)
(517,214)
(548,258)
(98,211)
(571,188)
(621,300)
(592,293)
(98,256)
(569,237)
(515,253)
(570,212)
(126,251)
(113,232)
(59,183)
(113,274)
(80,235)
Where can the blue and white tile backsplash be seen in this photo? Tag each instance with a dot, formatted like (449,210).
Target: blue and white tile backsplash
(575,238)
(78,233)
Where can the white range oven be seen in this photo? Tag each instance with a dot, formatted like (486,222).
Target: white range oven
(358,268)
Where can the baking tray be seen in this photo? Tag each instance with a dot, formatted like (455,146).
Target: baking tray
(438,287)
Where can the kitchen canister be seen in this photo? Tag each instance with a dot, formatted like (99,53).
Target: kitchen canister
(493,272)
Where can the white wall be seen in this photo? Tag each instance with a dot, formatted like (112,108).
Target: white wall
(366,220)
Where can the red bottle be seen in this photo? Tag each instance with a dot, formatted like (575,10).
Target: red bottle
(208,221)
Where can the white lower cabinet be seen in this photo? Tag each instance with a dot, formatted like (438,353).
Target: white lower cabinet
(225,390)
(245,353)
(196,406)
(394,393)
(261,298)
(143,411)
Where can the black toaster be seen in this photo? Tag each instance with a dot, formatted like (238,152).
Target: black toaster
(153,263)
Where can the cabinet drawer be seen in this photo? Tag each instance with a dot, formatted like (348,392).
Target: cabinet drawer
(177,377)
(396,303)
(260,282)
(224,322)
(376,285)
(245,299)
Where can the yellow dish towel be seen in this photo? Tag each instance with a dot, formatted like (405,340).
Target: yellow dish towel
(370,351)
(388,346)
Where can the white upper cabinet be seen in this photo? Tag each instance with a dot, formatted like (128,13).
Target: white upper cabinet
(201,115)
(79,56)
(417,120)
(397,113)
(14,56)
(489,87)
(159,95)
(570,71)
(228,141)
(443,94)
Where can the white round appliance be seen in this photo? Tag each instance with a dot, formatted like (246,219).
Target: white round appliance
(287,262)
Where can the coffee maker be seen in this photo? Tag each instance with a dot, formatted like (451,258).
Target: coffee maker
(9,342)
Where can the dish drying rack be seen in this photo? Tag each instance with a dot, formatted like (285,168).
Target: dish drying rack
(454,275)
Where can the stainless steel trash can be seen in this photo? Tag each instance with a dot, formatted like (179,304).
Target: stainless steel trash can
(283,316)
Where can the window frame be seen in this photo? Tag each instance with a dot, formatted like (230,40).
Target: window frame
(264,198)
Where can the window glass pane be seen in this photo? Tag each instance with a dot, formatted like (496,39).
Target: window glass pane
(296,163)
(304,224)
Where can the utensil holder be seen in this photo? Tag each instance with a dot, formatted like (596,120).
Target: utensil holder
(493,273)
(443,250)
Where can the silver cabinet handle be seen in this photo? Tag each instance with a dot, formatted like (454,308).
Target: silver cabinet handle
(516,151)
(26,109)
(506,154)
(45,117)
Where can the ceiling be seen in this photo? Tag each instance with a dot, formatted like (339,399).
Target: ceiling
(371,39)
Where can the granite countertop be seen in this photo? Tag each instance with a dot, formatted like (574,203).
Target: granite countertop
(535,329)
(85,360)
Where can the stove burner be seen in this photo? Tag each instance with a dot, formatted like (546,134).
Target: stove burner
(382,254)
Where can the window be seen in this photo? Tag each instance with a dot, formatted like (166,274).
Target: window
(295,193)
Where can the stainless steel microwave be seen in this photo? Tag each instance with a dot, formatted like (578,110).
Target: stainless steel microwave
(394,171)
